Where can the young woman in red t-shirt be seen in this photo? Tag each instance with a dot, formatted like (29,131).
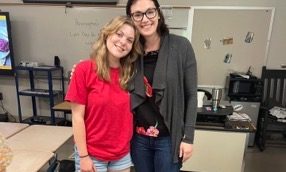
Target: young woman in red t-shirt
(101,116)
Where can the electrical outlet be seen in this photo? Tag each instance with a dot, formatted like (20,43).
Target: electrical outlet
(1,96)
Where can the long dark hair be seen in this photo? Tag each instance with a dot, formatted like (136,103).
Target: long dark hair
(162,28)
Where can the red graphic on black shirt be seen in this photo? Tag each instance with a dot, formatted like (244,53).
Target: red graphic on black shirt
(148,88)
(151,131)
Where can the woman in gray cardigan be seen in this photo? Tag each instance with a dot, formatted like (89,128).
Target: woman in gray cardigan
(163,93)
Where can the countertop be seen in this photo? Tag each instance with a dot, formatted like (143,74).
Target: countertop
(210,120)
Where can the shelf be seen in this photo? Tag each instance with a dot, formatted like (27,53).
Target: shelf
(44,120)
(39,92)
(39,68)
(33,91)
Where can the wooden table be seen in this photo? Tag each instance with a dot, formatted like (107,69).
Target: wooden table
(63,106)
(40,138)
(8,129)
(34,146)
(27,160)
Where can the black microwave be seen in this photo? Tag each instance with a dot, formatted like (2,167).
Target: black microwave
(245,89)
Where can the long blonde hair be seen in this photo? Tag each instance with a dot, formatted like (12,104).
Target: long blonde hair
(100,52)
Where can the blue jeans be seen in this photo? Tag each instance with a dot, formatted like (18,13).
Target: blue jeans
(151,154)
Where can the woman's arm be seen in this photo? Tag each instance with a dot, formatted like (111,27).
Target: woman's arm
(190,86)
(78,124)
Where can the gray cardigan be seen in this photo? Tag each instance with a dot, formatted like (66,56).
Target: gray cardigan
(175,88)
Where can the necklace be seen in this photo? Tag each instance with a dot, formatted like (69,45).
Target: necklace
(151,53)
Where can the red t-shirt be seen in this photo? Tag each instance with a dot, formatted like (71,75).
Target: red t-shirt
(108,119)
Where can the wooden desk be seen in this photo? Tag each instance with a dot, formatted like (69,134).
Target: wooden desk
(34,146)
(40,138)
(64,107)
(27,160)
(8,129)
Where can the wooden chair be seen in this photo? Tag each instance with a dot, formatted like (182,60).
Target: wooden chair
(274,94)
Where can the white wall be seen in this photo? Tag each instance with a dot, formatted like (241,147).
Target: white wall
(277,48)
(277,44)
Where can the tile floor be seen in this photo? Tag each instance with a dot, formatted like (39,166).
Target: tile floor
(272,159)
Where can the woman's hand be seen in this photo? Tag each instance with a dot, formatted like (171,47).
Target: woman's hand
(186,151)
(86,165)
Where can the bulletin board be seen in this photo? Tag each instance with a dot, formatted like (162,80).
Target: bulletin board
(41,32)
(230,39)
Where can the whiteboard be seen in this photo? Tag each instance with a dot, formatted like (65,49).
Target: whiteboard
(41,32)
(217,23)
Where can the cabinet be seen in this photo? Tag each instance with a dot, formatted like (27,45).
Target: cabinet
(217,147)
(252,110)
(34,91)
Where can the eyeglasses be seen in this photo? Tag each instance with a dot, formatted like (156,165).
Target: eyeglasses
(150,14)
